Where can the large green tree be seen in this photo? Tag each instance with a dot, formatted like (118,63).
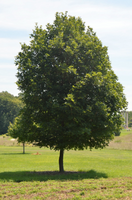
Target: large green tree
(9,109)
(72,97)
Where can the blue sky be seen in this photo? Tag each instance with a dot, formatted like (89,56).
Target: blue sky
(110,19)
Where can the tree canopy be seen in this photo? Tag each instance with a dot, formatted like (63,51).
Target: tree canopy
(72,97)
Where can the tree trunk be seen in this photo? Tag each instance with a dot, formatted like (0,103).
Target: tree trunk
(23,147)
(61,168)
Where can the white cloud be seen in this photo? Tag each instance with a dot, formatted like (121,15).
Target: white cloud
(23,14)
(9,48)
(8,78)
(9,87)
(127,91)
(9,66)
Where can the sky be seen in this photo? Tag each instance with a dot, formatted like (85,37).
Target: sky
(110,19)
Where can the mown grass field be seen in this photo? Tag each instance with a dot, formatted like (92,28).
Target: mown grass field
(96,174)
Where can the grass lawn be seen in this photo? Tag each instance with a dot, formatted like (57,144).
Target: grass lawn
(97,174)
(123,142)
(126,132)
(96,163)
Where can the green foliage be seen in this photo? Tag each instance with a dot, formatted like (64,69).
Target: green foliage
(17,130)
(130,119)
(72,97)
(9,109)
(117,133)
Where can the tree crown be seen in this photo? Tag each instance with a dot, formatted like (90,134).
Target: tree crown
(71,94)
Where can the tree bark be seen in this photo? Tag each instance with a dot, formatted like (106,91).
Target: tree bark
(61,167)
(23,147)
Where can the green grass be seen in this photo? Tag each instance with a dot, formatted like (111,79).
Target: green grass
(96,163)
(126,132)
(97,174)
(100,174)
(122,142)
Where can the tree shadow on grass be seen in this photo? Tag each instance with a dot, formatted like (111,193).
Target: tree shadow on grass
(20,176)
(20,153)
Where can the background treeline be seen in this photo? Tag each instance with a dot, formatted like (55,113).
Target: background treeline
(130,119)
(9,109)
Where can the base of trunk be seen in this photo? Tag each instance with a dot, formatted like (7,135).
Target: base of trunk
(23,147)
(61,167)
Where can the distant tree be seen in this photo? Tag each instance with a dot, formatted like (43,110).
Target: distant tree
(18,131)
(117,133)
(9,109)
(72,97)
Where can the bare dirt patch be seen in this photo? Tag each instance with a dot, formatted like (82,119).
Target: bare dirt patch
(112,188)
